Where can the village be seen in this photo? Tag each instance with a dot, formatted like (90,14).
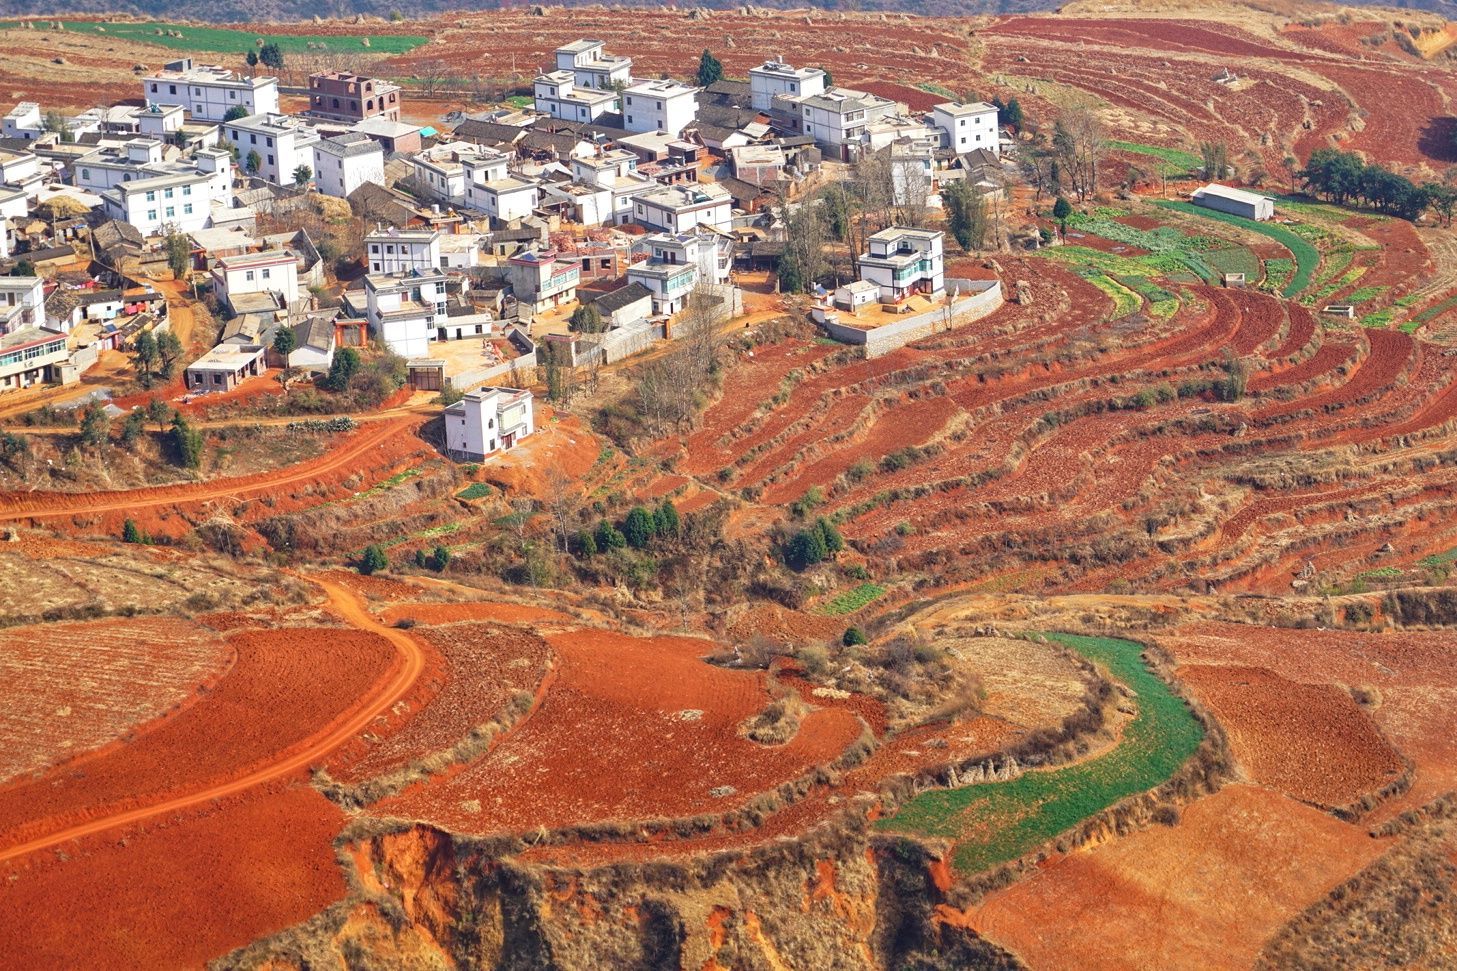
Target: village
(613,213)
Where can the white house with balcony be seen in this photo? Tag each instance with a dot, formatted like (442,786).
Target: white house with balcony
(776,79)
(542,280)
(441,171)
(209,92)
(677,262)
(279,144)
(591,66)
(272,271)
(560,94)
(486,421)
(345,162)
(612,182)
(966,127)
(402,309)
(664,106)
(22,303)
(392,250)
(678,208)
(903,262)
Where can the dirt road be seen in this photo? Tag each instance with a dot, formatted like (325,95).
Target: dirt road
(53,505)
(351,609)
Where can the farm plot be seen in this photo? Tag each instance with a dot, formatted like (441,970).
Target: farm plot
(187,37)
(997,822)
(1207,892)
(665,742)
(1312,742)
(1307,258)
(69,689)
(486,667)
(452,613)
(271,701)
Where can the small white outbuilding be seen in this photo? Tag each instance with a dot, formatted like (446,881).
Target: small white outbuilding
(1236,202)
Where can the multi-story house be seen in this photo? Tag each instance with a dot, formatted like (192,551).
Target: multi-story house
(904,261)
(440,171)
(402,250)
(678,262)
(591,67)
(22,303)
(32,355)
(776,79)
(614,176)
(402,309)
(542,280)
(342,96)
(278,144)
(967,127)
(345,162)
(179,198)
(506,200)
(273,272)
(208,92)
(486,421)
(559,94)
(837,119)
(24,121)
(678,208)
(664,106)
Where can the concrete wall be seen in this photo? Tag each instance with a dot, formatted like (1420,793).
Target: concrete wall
(527,360)
(978,298)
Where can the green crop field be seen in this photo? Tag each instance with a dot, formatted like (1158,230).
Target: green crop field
(997,822)
(853,599)
(476,490)
(1175,160)
(222,40)
(1307,257)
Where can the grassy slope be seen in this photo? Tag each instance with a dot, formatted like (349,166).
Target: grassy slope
(997,822)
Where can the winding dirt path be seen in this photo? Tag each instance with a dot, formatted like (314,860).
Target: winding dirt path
(351,609)
(52,505)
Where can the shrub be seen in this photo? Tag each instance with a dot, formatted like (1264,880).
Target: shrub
(373,560)
(583,544)
(669,523)
(130,533)
(854,636)
(805,548)
(609,537)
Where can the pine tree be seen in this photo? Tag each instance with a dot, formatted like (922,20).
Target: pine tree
(373,560)
(130,533)
(709,70)
(668,521)
(639,528)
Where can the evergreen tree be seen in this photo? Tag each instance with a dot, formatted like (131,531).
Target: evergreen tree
(342,370)
(284,342)
(709,70)
(253,162)
(638,528)
(587,319)
(830,536)
(1061,210)
(130,533)
(301,176)
(238,111)
(159,413)
(440,558)
(133,426)
(669,523)
(169,352)
(584,544)
(187,441)
(95,424)
(853,636)
(271,55)
(609,537)
(144,355)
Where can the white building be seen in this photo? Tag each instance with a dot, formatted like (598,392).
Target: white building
(22,303)
(33,355)
(664,106)
(281,143)
(542,280)
(208,92)
(179,200)
(505,199)
(678,208)
(591,67)
(967,127)
(904,261)
(24,121)
(677,262)
(403,309)
(558,94)
(486,421)
(313,346)
(440,171)
(136,159)
(615,182)
(1237,202)
(272,271)
(391,251)
(837,119)
(346,162)
(776,79)
(22,170)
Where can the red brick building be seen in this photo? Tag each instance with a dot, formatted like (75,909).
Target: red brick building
(340,96)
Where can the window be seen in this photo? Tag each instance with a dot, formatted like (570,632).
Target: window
(171,89)
(267,273)
(252,139)
(374,247)
(248,276)
(233,95)
(166,193)
(270,160)
(171,211)
(86,174)
(154,88)
(151,215)
(197,90)
(268,141)
(151,195)
(187,209)
(187,190)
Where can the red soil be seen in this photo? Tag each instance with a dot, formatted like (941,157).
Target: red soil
(68,689)
(450,613)
(765,619)
(1310,741)
(1206,893)
(484,666)
(178,891)
(272,701)
(633,728)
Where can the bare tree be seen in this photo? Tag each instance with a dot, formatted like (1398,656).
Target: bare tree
(875,184)
(559,504)
(911,185)
(1080,142)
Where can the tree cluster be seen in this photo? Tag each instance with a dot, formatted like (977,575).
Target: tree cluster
(639,530)
(1344,177)
(813,545)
